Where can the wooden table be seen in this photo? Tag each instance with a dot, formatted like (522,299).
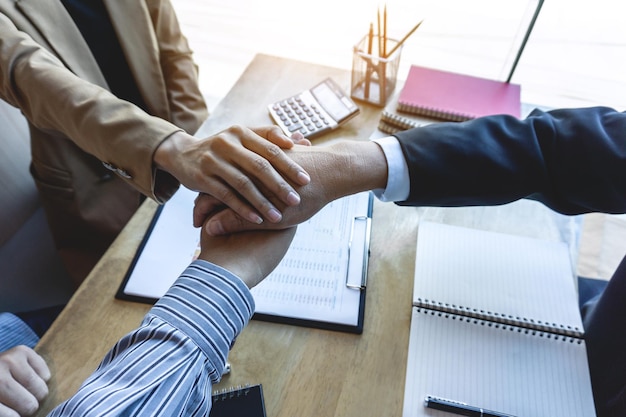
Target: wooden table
(304,372)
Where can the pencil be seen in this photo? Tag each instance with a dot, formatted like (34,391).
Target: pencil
(403,39)
(370,39)
(385,31)
(380,49)
(368,67)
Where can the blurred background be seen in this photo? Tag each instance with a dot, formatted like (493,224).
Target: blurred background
(576,54)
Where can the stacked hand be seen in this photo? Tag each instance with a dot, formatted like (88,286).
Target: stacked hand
(244,169)
(337,170)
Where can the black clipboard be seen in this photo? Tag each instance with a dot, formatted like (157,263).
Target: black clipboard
(167,249)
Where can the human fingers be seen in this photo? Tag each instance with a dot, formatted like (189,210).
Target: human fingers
(39,365)
(204,206)
(222,166)
(22,384)
(279,159)
(17,400)
(5,411)
(32,372)
(227,221)
(275,135)
(244,162)
(299,139)
(231,173)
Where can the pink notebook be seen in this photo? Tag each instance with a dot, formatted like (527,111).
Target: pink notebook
(452,96)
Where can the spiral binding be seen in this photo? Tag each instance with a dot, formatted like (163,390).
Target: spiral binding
(232,392)
(500,325)
(388,128)
(434,113)
(501,318)
(399,121)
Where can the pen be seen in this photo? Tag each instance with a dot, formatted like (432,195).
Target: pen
(460,408)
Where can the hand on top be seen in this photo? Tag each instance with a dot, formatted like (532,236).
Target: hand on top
(244,169)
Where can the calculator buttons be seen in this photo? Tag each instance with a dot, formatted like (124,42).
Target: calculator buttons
(301,114)
(304,112)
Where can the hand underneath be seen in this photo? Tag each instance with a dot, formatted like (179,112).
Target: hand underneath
(23,377)
(251,255)
(234,166)
(338,170)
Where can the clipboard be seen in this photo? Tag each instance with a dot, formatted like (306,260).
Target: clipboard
(327,264)
(320,283)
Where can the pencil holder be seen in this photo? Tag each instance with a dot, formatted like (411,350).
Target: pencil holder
(374,72)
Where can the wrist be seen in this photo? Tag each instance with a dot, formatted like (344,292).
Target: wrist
(167,152)
(362,166)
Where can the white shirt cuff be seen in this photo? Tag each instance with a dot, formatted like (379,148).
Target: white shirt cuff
(398,181)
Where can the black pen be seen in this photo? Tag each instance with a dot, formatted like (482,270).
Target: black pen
(460,408)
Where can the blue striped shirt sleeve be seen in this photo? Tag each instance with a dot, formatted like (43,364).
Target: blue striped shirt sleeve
(14,332)
(168,365)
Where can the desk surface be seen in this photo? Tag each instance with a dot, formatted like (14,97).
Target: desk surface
(304,372)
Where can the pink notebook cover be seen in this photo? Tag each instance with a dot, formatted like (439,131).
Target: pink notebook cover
(454,96)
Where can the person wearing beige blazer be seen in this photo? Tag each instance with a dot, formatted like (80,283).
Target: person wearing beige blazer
(88,145)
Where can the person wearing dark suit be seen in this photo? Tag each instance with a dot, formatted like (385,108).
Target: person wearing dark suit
(571,160)
(110,91)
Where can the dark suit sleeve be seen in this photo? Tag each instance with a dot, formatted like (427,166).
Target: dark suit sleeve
(572,160)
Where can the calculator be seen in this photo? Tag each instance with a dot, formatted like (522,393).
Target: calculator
(315,111)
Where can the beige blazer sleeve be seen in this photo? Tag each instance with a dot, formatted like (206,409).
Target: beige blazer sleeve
(180,72)
(53,98)
(161,60)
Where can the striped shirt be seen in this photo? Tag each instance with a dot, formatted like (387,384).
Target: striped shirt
(167,366)
(14,332)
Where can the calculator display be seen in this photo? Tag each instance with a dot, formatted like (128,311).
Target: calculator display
(330,101)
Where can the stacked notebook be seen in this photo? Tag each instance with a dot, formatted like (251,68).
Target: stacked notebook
(495,325)
(390,122)
(431,94)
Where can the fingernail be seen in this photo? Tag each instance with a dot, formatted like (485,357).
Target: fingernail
(215,228)
(303,178)
(274,215)
(255,218)
(293,198)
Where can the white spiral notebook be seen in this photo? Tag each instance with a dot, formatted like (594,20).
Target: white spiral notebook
(495,325)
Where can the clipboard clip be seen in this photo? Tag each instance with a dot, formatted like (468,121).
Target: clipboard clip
(358,251)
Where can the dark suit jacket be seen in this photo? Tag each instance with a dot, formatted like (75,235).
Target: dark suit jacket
(88,146)
(572,160)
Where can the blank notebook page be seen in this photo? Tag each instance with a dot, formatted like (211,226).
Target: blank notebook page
(497,368)
(497,273)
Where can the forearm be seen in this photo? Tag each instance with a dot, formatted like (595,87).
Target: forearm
(54,99)
(172,360)
(571,160)
(342,168)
